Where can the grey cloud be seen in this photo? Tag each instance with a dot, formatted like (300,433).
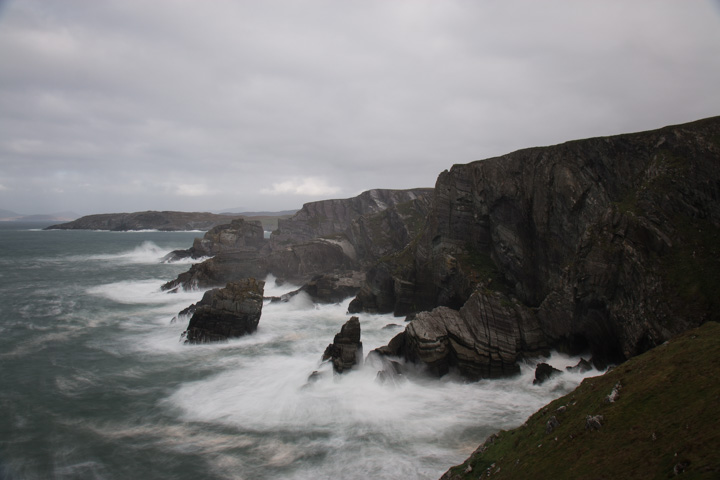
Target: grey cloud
(127,105)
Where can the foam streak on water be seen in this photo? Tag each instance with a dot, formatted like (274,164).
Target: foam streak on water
(97,384)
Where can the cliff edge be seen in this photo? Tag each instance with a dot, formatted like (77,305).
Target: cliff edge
(609,245)
(652,417)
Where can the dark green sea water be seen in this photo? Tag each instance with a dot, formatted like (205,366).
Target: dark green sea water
(95,383)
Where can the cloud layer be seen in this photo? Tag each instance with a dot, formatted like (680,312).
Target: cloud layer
(128,105)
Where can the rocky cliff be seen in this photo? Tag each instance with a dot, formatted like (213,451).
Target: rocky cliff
(610,245)
(329,217)
(150,220)
(335,237)
(228,312)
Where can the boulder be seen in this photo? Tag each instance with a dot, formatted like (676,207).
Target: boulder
(238,235)
(481,340)
(346,349)
(228,312)
(544,372)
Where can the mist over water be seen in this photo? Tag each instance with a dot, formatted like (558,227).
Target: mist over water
(97,384)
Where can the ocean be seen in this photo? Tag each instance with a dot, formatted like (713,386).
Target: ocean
(95,382)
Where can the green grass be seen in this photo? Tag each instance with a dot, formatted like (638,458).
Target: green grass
(666,415)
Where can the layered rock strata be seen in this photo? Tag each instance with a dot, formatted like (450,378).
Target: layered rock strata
(373,224)
(484,339)
(329,217)
(610,243)
(228,312)
(346,349)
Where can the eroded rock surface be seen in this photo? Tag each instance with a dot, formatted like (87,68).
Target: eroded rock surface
(612,243)
(228,312)
(346,350)
(484,339)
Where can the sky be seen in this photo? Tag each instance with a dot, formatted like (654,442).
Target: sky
(130,105)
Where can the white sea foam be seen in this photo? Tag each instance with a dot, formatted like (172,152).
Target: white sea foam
(258,386)
(142,292)
(145,253)
(366,426)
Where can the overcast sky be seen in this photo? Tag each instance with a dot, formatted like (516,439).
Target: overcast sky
(128,105)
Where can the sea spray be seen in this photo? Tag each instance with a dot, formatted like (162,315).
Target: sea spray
(97,384)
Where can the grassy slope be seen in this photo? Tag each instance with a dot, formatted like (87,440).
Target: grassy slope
(667,416)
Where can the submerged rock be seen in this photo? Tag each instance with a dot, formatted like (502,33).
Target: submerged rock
(346,349)
(225,313)
(581,367)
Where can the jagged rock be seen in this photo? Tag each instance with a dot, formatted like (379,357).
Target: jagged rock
(332,288)
(330,237)
(392,373)
(482,340)
(228,312)
(581,367)
(594,422)
(239,235)
(597,236)
(328,217)
(346,349)
(219,270)
(544,372)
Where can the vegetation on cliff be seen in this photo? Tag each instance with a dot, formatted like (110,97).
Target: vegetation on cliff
(654,416)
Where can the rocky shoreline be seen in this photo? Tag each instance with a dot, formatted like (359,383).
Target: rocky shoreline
(605,246)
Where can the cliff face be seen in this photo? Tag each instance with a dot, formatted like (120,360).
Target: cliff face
(611,242)
(328,217)
(327,237)
(151,220)
(238,235)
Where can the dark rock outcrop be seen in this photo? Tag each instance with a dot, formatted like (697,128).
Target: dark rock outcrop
(327,237)
(150,220)
(544,372)
(329,217)
(484,339)
(332,288)
(346,349)
(581,367)
(240,236)
(611,243)
(225,313)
